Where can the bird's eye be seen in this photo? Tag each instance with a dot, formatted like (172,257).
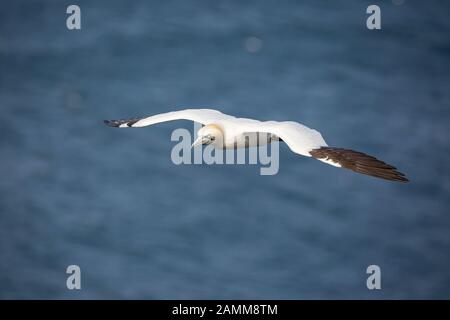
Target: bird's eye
(212,138)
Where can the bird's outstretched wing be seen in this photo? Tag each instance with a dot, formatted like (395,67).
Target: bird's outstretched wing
(309,142)
(203,116)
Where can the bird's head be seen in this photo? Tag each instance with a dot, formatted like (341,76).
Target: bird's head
(209,134)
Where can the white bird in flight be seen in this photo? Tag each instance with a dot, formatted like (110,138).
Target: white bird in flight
(225,131)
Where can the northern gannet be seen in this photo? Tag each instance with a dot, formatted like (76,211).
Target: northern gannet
(225,131)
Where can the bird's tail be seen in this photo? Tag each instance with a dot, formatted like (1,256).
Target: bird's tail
(358,162)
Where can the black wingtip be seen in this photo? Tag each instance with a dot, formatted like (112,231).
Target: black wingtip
(118,123)
(111,123)
(403,180)
(360,162)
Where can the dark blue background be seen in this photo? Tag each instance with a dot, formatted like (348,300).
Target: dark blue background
(73,191)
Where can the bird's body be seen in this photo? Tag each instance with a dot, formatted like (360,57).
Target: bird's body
(226,131)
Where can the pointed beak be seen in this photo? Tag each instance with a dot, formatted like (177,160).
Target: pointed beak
(199,141)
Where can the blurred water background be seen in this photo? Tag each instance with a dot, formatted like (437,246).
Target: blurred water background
(73,191)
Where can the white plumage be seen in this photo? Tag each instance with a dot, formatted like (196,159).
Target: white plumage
(225,131)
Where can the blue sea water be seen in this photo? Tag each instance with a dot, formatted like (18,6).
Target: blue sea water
(73,191)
